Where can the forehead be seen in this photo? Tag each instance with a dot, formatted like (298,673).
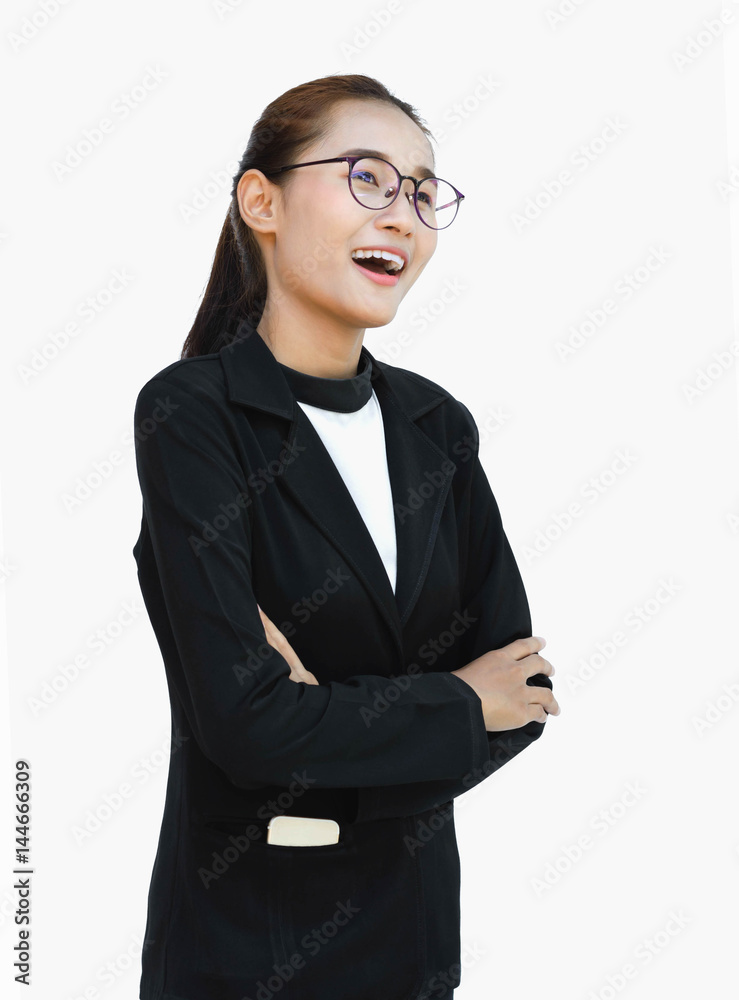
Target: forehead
(369,128)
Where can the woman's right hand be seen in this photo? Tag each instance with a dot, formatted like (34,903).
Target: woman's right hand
(499,679)
(277,640)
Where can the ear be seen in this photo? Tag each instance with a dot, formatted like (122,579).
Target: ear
(256,196)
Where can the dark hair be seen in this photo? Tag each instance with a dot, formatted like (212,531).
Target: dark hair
(237,289)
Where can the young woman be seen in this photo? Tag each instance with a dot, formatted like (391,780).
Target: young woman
(345,632)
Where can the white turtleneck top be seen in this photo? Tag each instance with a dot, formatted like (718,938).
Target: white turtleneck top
(347,417)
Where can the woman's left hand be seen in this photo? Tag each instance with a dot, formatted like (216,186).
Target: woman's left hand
(277,640)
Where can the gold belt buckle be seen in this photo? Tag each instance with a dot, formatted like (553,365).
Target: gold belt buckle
(302,831)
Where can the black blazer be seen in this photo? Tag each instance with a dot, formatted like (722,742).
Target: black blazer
(242,503)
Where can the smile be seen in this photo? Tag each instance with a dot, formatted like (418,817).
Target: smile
(378,276)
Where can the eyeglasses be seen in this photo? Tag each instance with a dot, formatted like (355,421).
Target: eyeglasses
(375,183)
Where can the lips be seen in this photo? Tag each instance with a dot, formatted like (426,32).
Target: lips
(379,277)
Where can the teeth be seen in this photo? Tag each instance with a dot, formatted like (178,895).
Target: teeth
(395,261)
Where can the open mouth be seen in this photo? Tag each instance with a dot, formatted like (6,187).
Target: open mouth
(376,264)
(379,265)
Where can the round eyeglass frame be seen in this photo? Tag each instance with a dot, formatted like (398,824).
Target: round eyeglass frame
(351,160)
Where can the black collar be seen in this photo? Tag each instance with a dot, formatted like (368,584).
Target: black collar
(344,395)
(255,378)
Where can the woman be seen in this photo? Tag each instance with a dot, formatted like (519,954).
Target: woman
(343,625)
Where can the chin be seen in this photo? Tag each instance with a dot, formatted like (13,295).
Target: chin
(375,324)
(376,318)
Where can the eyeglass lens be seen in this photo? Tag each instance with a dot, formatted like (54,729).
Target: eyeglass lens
(375,182)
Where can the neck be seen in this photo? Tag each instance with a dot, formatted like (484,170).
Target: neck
(325,355)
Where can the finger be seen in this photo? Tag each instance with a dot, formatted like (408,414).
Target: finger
(301,675)
(538,665)
(263,616)
(547,667)
(278,641)
(300,670)
(546,699)
(273,633)
(521,648)
(265,620)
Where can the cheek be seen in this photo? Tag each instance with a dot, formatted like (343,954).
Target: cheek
(319,246)
(418,268)
(301,259)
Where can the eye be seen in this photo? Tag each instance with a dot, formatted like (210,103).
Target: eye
(363,175)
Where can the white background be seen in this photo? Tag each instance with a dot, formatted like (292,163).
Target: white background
(513,94)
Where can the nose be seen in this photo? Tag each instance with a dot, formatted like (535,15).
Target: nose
(403,207)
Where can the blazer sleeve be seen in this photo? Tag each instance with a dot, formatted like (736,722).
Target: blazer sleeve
(493,591)
(494,599)
(247,716)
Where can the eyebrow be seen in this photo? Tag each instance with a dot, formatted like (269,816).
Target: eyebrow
(420,171)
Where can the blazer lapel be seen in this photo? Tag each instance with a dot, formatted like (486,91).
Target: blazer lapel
(420,472)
